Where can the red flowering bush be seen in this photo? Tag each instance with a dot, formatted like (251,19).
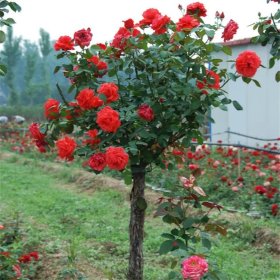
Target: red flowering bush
(154,70)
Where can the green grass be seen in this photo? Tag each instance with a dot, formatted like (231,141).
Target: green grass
(90,229)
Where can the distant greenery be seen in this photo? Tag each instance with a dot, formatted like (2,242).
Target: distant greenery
(29,79)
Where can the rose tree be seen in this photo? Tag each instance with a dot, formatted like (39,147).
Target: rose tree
(151,87)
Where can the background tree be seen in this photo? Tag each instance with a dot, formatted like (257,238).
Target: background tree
(45,49)
(11,52)
(31,56)
(5,7)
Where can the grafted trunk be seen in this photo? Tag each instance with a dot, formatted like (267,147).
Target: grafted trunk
(136,226)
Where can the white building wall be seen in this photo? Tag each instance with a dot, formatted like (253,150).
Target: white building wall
(260,116)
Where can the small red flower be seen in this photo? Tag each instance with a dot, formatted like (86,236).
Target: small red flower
(66,147)
(35,132)
(187,23)
(110,90)
(24,258)
(129,23)
(116,158)
(51,107)
(260,189)
(87,100)
(83,37)
(197,9)
(64,43)
(101,65)
(159,24)
(108,119)
(17,270)
(274,209)
(212,80)
(229,30)
(247,63)
(97,161)
(34,255)
(148,17)
(93,139)
(145,112)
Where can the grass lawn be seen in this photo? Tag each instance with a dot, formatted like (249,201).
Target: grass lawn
(79,223)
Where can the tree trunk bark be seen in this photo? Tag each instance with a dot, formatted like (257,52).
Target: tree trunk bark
(136,226)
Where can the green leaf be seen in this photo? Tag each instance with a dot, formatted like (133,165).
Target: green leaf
(8,21)
(166,247)
(204,219)
(271,62)
(246,80)
(168,236)
(256,83)
(15,7)
(56,69)
(277,76)
(141,203)
(237,106)
(3,70)
(127,176)
(187,223)
(206,243)
(2,36)
(227,50)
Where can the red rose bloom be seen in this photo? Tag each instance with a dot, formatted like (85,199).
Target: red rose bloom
(145,112)
(159,24)
(260,189)
(101,46)
(274,209)
(87,100)
(34,255)
(116,158)
(93,139)
(230,30)
(38,137)
(187,23)
(110,90)
(100,65)
(97,161)
(66,147)
(83,37)
(247,63)
(196,8)
(129,23)
(120,38)
(35,132)
(24,259)
(148,17)
(108,119)
(64,43)
(213,83)
(51,107)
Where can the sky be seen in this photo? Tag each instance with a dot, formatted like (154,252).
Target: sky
(104,17)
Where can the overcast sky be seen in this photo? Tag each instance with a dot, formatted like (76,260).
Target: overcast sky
(104,17)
